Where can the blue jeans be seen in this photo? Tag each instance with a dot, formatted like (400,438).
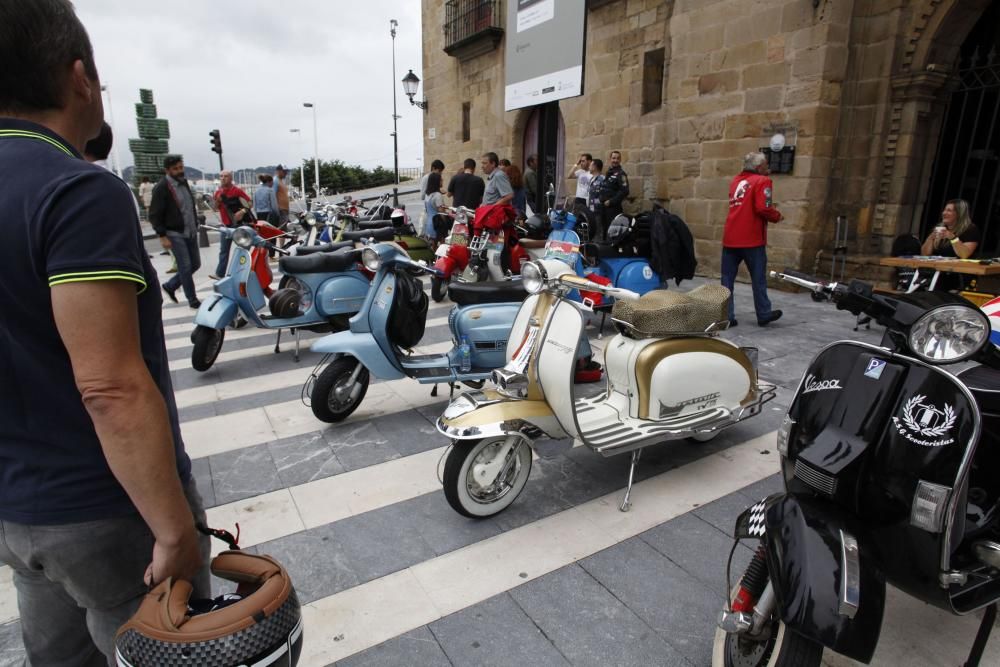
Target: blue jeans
(188,258)
(225,243)
(756,261)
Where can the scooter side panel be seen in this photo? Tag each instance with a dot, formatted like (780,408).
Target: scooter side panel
(556,362)
(216,312)
(631,273)
(341,294)
(362,347)
(804,560)
(488,327)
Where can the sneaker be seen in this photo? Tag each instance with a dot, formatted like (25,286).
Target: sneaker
(733,323)
(773,317)
(172,293)
(213,276)
(195,304)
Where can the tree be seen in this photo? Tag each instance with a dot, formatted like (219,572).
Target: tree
(342,177)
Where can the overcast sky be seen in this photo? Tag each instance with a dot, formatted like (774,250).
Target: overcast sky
(246,68)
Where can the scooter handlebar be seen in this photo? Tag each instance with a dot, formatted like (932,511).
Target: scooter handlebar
(804,280)
(578,282)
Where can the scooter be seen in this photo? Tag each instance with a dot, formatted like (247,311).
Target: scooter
(328,289)
(669,377)
(889,464)
(452,255)
(404,234)
(391,322)
(494,253)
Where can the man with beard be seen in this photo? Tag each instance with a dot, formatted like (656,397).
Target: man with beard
(173,215)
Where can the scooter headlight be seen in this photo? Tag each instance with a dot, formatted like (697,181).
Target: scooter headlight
(370,258)
(243,237)
(949,334)
(533,277)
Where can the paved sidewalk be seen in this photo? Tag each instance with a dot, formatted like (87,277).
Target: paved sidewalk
(389,575)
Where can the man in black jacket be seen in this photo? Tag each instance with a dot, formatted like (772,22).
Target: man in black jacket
(615,188)
(173,215)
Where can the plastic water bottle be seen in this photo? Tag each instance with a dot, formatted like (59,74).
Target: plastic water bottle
(465,354)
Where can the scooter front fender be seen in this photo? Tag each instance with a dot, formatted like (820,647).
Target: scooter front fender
(477,415)
(813,573)
(362,347)
(216,312)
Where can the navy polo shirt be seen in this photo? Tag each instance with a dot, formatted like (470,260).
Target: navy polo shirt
(62,220)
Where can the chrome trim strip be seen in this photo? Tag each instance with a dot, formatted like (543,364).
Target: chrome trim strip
(850,575)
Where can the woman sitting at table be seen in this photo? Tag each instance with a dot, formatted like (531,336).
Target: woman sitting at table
(954,236)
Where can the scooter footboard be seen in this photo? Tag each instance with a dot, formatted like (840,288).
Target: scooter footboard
(827,586)
(364,348)
(215,312)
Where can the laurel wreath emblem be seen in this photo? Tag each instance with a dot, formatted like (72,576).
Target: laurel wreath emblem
(949,418)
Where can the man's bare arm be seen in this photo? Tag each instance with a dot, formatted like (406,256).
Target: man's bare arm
(98,323)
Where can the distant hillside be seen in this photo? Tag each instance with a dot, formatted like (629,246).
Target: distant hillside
(194,174)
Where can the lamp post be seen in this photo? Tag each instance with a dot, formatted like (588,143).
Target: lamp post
(411,82)
(302,167)
(395,132)
(114,131)
(310,105)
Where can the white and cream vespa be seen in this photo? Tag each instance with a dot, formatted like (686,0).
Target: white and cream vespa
(669,376)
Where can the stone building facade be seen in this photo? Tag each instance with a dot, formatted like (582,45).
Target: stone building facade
(859,87)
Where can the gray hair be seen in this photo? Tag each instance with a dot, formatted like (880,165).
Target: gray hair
(753,160)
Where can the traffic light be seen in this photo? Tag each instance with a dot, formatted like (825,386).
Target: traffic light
(216,141)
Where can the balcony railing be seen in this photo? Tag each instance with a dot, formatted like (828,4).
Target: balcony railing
(472,27)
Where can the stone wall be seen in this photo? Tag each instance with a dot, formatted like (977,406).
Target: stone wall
(846,81)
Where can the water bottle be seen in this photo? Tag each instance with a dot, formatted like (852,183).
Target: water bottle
(465,354)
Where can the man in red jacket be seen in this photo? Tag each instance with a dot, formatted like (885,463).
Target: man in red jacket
(745,236)
(233,204)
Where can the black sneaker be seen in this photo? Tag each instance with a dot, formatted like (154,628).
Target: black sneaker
(733,323)
(773,317)
(172,293)
(196,304)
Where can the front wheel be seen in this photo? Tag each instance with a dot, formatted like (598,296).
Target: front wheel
(336,395)
(483,477)
(439,289)
(207,345)
(780,647)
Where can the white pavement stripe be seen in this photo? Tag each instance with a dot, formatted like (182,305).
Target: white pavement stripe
(272,381)
(366,615)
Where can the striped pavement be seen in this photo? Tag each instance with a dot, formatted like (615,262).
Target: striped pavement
(389,574)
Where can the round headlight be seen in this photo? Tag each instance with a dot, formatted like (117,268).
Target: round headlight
(243,237)
(311,217)
(949,334)
(370,259)
(533,277)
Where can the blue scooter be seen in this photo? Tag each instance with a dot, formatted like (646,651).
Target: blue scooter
(392,321)
(322,287)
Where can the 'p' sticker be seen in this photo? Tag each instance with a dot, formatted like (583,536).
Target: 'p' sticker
(875,368)
(243,259)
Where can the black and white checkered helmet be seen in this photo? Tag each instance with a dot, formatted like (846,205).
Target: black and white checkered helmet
(260,625)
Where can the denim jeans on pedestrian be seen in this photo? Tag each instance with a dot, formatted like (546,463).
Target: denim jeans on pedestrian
(188,259)
(225,243)
(756,261)
(78,583)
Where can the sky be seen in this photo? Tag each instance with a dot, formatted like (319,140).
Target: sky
(246,67)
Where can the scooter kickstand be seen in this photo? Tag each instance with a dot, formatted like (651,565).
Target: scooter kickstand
(277,343)
(626,503)
(297,337)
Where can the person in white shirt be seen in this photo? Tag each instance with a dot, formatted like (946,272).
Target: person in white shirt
(582,175)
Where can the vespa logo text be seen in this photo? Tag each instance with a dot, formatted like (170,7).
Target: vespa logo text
(815,384)
(565,349)
(926,420)
(702,403)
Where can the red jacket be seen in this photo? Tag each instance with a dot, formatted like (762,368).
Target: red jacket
(230,200)
(750,210)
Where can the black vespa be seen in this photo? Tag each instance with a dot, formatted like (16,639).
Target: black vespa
(890,470)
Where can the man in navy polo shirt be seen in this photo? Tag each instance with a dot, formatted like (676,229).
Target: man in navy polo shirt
(96,497)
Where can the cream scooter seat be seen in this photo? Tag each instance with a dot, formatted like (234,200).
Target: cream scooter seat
(662,313)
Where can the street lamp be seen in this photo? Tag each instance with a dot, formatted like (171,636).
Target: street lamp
(310,105)
(114,131)
(302,168)
(395,132)
(410,84)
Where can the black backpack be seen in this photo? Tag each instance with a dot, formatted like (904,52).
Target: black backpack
(408,313)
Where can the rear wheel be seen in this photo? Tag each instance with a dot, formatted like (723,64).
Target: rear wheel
(207,345)
(484,477)
(334,395)
(778,647)
(439,289)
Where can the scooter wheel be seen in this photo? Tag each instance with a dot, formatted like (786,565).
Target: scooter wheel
(207,345)
(781,648)
(439,289)
(468,465)
(332,399)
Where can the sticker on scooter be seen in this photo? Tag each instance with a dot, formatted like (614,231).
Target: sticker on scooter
(647,272)
(925,419)
(702,403)
(815,384)
(875,368)
(243,260)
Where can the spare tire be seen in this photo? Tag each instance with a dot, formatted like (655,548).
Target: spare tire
(285,303)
